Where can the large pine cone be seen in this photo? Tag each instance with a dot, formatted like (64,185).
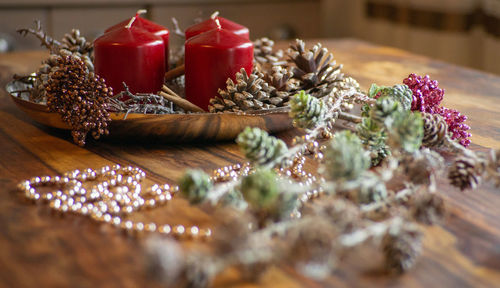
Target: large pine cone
(435,130)
(248,93)
(315,68)
(465,173)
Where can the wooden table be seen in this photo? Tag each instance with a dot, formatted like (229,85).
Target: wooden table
(39,248)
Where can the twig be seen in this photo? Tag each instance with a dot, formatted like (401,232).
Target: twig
(47,41)
(177,29)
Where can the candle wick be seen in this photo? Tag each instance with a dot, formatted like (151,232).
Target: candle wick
(132,20)
(214,15)
(218,24)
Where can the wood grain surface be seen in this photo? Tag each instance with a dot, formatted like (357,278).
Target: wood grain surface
(39,248)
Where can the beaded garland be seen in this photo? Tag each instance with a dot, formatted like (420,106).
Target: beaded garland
(118,193)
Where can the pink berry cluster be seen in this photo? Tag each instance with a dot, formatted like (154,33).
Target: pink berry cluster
(426,94)
(426,98)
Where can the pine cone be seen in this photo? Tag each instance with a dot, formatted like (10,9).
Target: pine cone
(38,94)
(345,158)
(80,97)
(306,110)
(248,93)
(194,185)
(435,130)
(281,85)
(259,147)
(263,52)
(428,208)
(465,173)
(260,189)
(384,111)
(406,131)
(401,247)
(315,69)
(374,139)
(74,42)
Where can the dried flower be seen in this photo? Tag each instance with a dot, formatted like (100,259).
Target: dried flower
(306,110)
(194,185)
(345,158)
(80,97)
(426,94)
(259,147)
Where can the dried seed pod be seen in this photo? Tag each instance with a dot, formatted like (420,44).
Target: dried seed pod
(80,97)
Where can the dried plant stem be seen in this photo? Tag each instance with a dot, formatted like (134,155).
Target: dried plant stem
(47,41)
(374,230)
(350,117)
(177,30)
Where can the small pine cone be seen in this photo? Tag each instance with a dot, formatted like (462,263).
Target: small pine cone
(314,68)
(428,208)
(259,147)
(263,52)
(74,42)
(465,173)
(51,64)
(250,92)
(401,247)
(194,185)
(312,241)
(306,110)
(435,130)
(281,85)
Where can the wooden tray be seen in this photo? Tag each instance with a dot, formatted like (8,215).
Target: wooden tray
(166,127)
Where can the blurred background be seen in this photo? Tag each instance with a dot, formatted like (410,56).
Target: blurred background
(465,32)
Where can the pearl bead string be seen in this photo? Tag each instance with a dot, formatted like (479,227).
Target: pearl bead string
(118,193)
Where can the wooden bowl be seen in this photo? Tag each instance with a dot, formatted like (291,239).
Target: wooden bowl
(166,127)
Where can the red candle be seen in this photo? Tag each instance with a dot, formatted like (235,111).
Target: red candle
(210,25)
(211,58)
(149,26)
(132,55)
